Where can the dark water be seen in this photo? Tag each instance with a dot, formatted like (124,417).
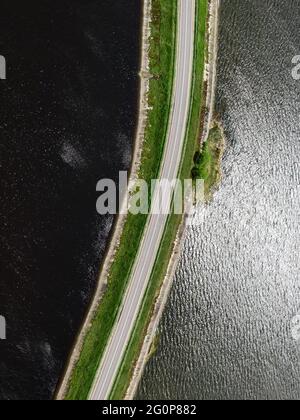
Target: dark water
(226,333)
(68,117)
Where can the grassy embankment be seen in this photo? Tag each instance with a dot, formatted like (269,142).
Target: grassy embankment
(207,160)
(174,221)
(162,58)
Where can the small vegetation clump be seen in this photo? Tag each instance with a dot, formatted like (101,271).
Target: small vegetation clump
(207,161)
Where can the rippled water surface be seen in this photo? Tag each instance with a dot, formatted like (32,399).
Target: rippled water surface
(226,332)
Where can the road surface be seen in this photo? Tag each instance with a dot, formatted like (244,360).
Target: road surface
(142,270)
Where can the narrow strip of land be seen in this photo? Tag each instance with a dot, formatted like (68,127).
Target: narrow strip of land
(157,79)
(154,231)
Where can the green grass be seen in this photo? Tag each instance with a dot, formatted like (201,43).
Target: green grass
(207,160)
(154,346)
(162,58)
(174,221)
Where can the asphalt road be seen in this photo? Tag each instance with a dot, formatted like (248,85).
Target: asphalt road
(113,356)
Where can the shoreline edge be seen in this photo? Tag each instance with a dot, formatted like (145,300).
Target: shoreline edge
(120,221)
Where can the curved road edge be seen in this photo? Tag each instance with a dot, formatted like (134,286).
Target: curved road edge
(115,350)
